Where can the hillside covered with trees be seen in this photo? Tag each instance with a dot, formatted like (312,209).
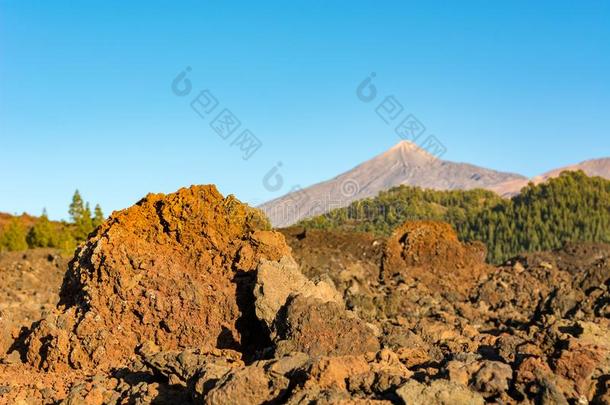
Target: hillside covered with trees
(19,233)
(571,207)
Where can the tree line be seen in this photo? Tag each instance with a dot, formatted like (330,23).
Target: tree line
(44,233)
(571,207)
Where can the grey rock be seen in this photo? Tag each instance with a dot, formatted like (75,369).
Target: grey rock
(276,281)
(439,392)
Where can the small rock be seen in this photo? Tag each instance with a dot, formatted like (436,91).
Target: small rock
(276,281)
(439,392)
(320,328)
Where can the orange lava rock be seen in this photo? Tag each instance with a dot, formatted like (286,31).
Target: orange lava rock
(431,253)
(177,270)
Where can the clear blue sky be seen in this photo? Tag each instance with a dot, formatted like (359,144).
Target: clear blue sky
(86,100)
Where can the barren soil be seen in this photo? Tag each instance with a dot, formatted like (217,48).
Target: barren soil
(190,298)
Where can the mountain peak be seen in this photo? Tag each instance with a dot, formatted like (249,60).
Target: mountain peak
(403,164)
(408,153)
(408,146)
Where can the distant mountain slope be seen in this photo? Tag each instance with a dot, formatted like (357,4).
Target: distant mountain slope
(568,208)
(26,220)
(594,167)
(403,164)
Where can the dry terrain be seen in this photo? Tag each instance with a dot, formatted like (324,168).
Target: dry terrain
(190,298)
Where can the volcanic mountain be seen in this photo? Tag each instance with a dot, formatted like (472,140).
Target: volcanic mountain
(405,163)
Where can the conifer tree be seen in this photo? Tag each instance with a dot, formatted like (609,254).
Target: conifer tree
(77,208)
(13,236)
(80,213)
(42,233)
(98,216)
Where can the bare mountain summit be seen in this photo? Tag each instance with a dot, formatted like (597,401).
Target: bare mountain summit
(404,163)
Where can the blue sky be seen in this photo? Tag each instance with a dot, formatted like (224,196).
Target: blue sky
(86,99)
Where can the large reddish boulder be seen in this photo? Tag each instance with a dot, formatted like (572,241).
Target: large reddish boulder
(430,252)
(177,270)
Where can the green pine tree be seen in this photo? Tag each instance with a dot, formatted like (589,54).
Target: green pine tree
(77,208)
(42,233)
(64,238)
(98,216)
(80,213)
(13,236)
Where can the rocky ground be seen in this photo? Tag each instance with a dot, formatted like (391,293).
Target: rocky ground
(190,298)
(29,286)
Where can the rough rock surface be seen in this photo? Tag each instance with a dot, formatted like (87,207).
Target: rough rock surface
(174,269)
(430,252)
(187,298)
(276,282)
(320,328)
(439,392)
(28,289)
(530,331)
